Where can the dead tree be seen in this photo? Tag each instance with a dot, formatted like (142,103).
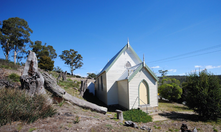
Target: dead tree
(51,85)
(59,76)
(83,87)
(32,80)
(64,74)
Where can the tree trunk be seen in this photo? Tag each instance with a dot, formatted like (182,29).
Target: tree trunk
(120,115)
(7,51)
(83,87)
(32,80)
(6,56)
(59,76)
(15,57)
(64,76)
(51,85)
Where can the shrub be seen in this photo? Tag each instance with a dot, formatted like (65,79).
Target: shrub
(57,69)
(137,115)
(204,94)
(8,64)
(46,63)
(170,89)
(16,105)
(14,77)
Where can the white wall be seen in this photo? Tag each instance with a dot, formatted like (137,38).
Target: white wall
(91,88)
(101,93)
(134,84)
(123,93)
(115,72)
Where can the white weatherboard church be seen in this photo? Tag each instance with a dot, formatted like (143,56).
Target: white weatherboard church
(127,81)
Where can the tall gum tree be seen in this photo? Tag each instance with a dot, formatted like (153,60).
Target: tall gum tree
(15,34)
(72,58)
(43,50)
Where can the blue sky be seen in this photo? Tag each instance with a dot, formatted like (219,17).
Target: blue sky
(98,29)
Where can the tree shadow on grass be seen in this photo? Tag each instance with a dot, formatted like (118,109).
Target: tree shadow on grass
(181,116)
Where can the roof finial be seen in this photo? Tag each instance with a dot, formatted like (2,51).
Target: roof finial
(127,42)
(143,59)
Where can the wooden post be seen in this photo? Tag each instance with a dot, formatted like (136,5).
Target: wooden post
(120,115)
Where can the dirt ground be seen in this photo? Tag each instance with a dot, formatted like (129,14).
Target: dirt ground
(73,118)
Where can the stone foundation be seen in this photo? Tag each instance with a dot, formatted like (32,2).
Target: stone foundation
(149,109)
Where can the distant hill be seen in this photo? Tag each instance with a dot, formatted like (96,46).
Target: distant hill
(183,78)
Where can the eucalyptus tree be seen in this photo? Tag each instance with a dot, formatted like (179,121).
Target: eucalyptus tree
(14,35)
(43,50)
(72,58)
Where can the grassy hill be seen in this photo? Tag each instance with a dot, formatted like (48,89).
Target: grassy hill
(69,117)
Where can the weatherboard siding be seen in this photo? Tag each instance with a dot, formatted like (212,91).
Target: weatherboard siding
(101,93)
(115,73)
(134,84)
(123,94)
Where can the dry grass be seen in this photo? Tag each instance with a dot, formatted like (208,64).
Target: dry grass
(167,106)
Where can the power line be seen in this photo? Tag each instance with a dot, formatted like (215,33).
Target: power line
(193,52)
(188,56)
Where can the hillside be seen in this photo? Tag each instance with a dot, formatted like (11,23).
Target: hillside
(73,118)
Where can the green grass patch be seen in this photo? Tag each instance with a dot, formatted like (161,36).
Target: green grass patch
(16,105)
(69,84)
(109,126)
(158,127)
(8,64)
(14,77)
(137,116)
(32,129)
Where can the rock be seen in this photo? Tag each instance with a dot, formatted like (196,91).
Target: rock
(184,128)
(146,128)
(194,130)
(68,114)
(131,124)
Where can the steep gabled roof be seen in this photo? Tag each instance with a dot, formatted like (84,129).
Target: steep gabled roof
(114,59)
(138,69)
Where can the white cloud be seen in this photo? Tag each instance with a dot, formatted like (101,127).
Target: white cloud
(172,70)
(212,67)
(155,67)
(197,66)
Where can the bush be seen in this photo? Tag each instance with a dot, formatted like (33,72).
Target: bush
(14,77)
(204,94)
(16,105)
(8,64)
(46,63)
(137,115)
(170,89)
(57,69)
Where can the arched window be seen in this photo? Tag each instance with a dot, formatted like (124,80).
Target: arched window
(127,65)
